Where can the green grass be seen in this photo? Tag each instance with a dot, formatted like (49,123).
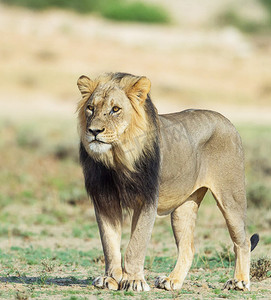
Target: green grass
(85,231)
(19,264)
(46,259)
(216,259)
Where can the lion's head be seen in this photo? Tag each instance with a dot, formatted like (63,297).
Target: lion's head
(114,121)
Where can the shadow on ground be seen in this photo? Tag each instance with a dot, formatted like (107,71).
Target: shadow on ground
(66,281)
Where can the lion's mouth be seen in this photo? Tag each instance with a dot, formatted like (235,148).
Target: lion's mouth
(98,142)
(99,146)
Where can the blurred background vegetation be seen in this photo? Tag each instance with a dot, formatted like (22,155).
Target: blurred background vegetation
(175,54)
(253,19)
(248,24)
(150,12)
(198,54)
(121,10)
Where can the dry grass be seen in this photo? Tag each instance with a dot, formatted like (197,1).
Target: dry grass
(261,269)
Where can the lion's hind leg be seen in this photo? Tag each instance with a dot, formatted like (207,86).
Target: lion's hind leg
(233,207)
(183,221)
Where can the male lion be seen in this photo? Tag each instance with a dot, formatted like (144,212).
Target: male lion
(135,159)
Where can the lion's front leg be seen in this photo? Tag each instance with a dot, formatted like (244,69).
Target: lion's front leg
(183,221)
(133,273)
(110,232)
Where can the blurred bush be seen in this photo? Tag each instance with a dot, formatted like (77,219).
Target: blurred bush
(231,17)
(267,6)
(136,11)
(261,269)
(258,195)
(234,17)
(257,146)
(120,10)
(81,6)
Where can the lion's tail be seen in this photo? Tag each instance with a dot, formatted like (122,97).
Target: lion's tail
(254,241)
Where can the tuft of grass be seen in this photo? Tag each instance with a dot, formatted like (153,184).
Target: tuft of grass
(129,293)
(160,264)
(226,255)
(22,295)
(48,265)
(261,269)
(20,233)
(78,298)
(212,258)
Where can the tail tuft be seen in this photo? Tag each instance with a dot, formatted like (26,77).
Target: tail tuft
(254,241)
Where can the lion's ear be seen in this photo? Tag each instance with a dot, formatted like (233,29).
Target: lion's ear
(139,89)
(85,85)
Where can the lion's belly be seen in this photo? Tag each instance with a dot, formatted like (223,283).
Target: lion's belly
(173,192)
(182,161)
(180,176)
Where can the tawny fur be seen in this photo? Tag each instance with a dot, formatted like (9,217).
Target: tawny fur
(163,164)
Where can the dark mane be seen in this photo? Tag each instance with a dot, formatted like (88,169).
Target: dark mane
(111,189)
(119,75)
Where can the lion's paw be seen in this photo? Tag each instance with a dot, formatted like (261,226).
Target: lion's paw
(234,284)
(105,282)
(134,285)
(164,282)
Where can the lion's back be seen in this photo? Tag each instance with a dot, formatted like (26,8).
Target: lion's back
(196,127)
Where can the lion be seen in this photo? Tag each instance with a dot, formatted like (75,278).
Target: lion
(137,160)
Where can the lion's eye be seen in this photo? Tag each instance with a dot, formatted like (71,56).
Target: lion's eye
(90,109)
(115,109)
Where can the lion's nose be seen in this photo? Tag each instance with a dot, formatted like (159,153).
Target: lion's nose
(95,132)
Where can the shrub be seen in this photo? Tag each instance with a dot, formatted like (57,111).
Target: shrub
(136,11)
(258,195)
(121,10)
(261,269)
(231,18)
(267,5)
(79,6)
